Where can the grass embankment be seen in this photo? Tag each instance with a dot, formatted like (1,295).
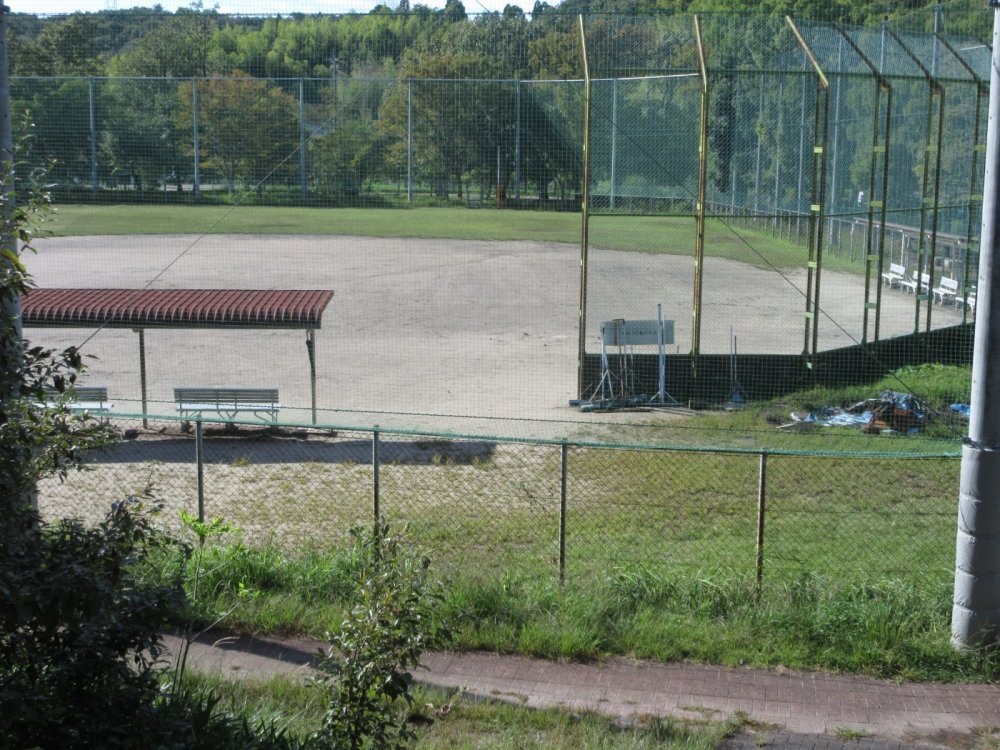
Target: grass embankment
(757,426)
(443,720)
(858,553)
(881,625)
(649,234)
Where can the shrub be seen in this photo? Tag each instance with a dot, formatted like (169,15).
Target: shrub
(79,630)
(389,625)
(79,636)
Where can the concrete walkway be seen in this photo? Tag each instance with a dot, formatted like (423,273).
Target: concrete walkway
(793,709)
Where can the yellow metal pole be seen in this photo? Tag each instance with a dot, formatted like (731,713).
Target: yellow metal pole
(585,210)
(699,240)
(817,205)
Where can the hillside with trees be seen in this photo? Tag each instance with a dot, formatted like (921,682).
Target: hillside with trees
(325,107)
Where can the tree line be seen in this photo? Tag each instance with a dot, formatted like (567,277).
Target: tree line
(331,105)
(199,41)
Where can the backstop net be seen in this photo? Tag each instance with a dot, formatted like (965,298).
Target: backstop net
(491,199)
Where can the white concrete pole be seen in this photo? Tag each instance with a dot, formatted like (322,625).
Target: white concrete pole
(975,617)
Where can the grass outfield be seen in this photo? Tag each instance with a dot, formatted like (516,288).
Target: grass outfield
(650,234)
(659,556)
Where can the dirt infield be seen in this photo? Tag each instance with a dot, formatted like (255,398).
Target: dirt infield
(435,334)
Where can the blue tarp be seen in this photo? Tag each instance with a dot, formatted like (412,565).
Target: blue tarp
(863,413)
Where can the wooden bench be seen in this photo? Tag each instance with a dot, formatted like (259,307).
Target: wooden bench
(946,290)
(894,275)
(81,398)
(228,402)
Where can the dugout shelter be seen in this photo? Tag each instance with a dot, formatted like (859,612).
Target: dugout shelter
(139,309)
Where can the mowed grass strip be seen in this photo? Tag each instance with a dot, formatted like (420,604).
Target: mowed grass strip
(648,234)
(449,720)
(754,427)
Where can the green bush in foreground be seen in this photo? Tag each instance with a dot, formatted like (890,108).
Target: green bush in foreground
(391,622)
(79,632)
(79,636)
(80,616)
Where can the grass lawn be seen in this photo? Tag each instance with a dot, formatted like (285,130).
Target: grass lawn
(660,545)
(651,234)
(848,584)
(754,427)
(443,720)
(660,552)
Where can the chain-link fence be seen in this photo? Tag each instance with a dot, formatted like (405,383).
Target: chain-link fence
(552,243)
(558,510)
(805,190)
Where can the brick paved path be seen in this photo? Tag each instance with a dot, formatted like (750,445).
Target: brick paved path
(793,709)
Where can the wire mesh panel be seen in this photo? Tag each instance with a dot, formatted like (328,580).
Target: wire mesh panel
(770,170)
(643,170)
(293,488)
(860,519)
(161,461)
(484,509)
(689,512)
(62,114)
(489,511)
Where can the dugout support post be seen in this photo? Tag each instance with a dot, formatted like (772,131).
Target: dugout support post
(311,349)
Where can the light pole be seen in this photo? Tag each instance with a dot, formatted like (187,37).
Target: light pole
(975,619)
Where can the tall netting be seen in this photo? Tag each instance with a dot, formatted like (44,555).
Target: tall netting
(775,203)
(574,298)
(827,209)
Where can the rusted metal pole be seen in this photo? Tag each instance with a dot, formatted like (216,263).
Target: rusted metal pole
(761,509)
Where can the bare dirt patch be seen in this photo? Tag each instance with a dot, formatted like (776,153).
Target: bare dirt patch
(467,336)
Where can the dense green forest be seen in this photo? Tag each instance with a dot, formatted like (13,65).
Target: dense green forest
(199,41)
(331,107)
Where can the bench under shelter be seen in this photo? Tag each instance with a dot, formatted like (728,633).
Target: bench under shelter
(140,309)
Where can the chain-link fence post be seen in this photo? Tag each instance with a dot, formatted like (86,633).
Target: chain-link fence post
(142,376)
(409,141)
(563,457)
(517,141)
(196,146)
(302,140)
(761,508)
(376,464)
(199,457)
(92,137)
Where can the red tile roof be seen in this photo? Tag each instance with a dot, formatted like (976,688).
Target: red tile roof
(175,308)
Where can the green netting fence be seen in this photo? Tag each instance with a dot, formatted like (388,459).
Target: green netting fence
(555,511)
(798,200)
(609,291)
